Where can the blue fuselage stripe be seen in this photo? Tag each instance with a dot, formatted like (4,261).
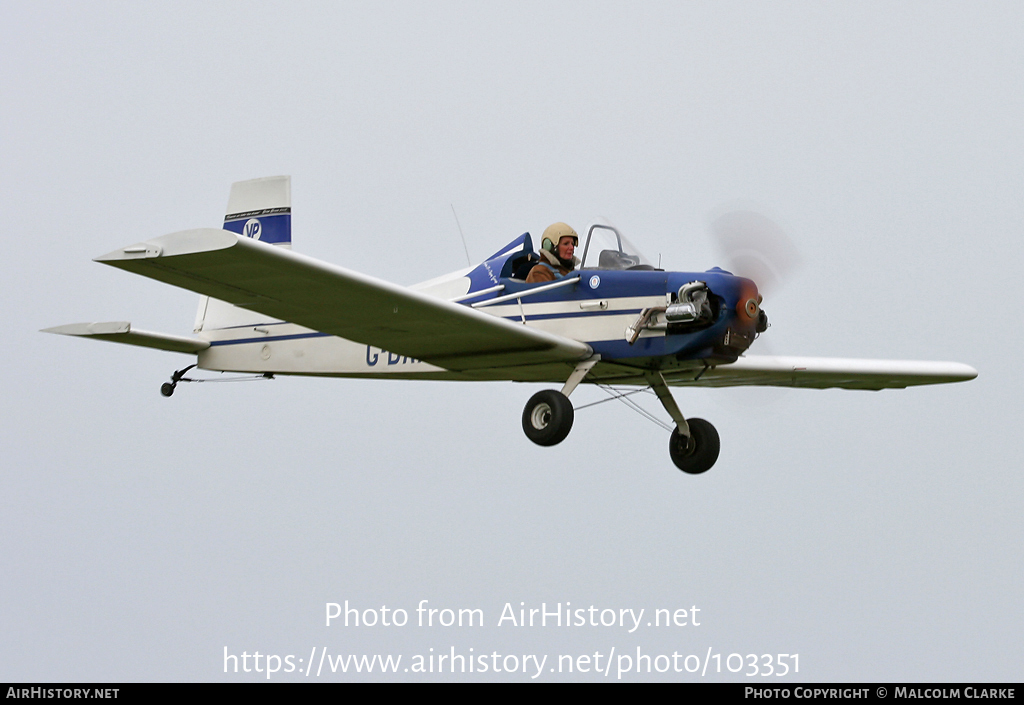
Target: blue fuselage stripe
(575,314)
(268,338)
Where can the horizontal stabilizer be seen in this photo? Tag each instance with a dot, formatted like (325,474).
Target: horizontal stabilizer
(122,332)
(323,297)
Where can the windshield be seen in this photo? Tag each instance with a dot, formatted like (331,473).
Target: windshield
(606,248)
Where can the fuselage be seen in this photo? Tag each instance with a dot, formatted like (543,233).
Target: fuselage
(595,306)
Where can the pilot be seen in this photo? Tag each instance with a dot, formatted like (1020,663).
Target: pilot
(558,244)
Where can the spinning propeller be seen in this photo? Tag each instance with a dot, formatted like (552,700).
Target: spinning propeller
(755,247)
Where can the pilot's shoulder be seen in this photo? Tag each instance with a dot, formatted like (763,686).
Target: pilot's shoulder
(540,273)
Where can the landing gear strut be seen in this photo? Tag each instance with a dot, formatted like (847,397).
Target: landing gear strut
(694,444)
(167,388)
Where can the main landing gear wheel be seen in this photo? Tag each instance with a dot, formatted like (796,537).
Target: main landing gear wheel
(547,418)
(697,453)
(167,389)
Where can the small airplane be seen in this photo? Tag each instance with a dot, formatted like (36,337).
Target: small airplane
(615,321)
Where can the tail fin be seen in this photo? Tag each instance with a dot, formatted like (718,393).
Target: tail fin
(260,209)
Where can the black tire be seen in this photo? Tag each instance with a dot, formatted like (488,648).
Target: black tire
(697,453)
(547,418)
(167,389)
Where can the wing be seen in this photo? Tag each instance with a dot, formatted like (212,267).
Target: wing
(122,332)
(293,287)
(824,373)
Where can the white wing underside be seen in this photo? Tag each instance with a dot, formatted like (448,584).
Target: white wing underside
(330,299)
(824,373)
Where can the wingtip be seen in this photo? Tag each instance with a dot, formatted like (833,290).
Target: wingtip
(184,242)
(91,328)
(137,251)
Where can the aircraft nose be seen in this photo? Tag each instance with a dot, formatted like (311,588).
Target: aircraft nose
(748,307)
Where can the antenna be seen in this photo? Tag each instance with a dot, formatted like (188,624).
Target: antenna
(469,262)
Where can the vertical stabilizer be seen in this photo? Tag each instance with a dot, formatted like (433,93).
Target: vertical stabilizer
(260,209)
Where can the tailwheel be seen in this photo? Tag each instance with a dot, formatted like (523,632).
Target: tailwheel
(167,388)
(547,418)
(697,453)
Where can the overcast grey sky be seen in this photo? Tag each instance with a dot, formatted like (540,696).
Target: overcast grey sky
(877,535)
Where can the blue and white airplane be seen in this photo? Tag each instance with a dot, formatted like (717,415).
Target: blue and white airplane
(616,320)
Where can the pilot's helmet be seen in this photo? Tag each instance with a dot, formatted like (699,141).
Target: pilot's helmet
(554,234)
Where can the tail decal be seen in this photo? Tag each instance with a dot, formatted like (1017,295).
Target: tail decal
(261,209)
